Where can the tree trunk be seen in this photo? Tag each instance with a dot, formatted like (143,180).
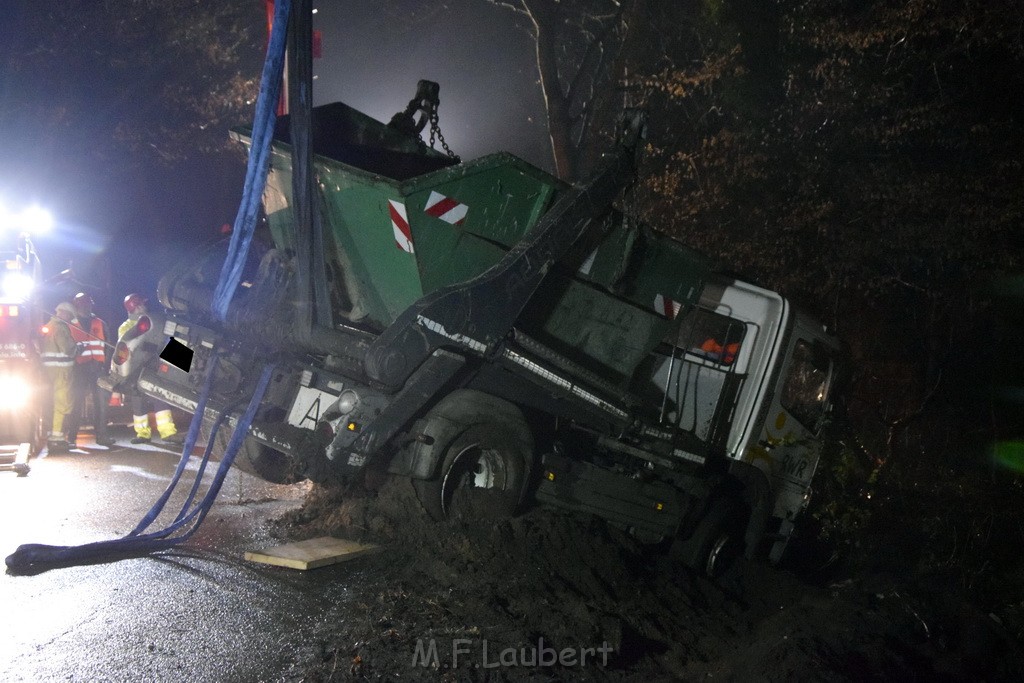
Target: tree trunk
(558,114)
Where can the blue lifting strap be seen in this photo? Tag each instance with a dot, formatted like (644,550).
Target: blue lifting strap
(35,557)
(259,160)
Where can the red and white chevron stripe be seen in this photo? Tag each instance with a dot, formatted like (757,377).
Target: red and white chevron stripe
(447,209)
(400,224)
(667,307)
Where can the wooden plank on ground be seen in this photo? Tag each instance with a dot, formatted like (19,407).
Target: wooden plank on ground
(311,553)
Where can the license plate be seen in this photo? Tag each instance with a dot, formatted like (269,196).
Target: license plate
(308,406)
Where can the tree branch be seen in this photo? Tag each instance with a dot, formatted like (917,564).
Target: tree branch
(595,52)
(517,7)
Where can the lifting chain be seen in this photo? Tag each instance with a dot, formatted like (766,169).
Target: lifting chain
(435,130)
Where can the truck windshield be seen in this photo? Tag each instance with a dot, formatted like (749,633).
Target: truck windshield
(805,391)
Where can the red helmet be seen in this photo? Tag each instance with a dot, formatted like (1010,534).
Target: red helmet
(83,301)
(133,302)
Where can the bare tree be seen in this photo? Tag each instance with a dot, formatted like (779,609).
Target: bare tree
(579,44)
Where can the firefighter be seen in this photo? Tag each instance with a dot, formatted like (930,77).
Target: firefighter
(57,353)
(135,305)
(90,333)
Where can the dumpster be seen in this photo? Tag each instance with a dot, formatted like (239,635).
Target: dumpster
(402,220)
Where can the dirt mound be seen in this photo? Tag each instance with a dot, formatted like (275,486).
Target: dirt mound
(553,596)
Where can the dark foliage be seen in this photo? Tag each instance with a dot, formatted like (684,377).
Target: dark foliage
(159,80)
(865,158)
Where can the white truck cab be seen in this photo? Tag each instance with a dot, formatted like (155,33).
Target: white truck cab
(750,377)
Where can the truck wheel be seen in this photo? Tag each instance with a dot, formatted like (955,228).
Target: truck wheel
(483,473)
(254,458)
(716,542)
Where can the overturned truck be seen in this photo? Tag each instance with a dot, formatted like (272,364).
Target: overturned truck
(501,338)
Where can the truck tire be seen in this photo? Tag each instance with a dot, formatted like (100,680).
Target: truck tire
(483,473)
(478,450)
(254,458)
(716,542)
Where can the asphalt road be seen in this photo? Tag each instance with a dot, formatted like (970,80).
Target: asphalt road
(198,613)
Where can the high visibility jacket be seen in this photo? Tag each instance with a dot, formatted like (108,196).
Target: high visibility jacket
(127,325)
(57,349)
(91,333)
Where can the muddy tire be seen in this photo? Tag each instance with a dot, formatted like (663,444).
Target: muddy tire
(254,458)
(716,543)
(483,467)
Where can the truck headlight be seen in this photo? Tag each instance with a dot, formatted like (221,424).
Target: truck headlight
(15,392)
(17,286)
(347,402)
(121,353)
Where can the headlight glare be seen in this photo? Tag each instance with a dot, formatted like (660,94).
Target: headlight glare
(17,286)
(15,392)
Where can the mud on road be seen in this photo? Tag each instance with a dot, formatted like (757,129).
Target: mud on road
(551,596)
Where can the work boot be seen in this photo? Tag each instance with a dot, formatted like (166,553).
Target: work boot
(141,439)
(104,441)
(57,447)
(176,438)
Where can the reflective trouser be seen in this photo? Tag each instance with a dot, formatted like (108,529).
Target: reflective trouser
(165,423)
(60,380)
(83,385)
(142,429)
(164,420)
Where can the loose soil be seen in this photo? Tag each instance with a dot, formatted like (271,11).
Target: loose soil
(528,598)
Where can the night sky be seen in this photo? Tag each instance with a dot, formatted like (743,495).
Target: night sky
(490,98)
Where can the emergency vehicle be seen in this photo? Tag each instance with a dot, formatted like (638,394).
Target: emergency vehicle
(22,386)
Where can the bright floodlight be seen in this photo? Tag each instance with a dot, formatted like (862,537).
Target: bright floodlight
(35,220)
(17,286)
(14,392)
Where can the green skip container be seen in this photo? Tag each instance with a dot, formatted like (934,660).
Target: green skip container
(402,220)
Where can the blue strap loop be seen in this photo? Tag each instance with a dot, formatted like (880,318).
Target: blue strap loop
(34,557)
(259,162)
